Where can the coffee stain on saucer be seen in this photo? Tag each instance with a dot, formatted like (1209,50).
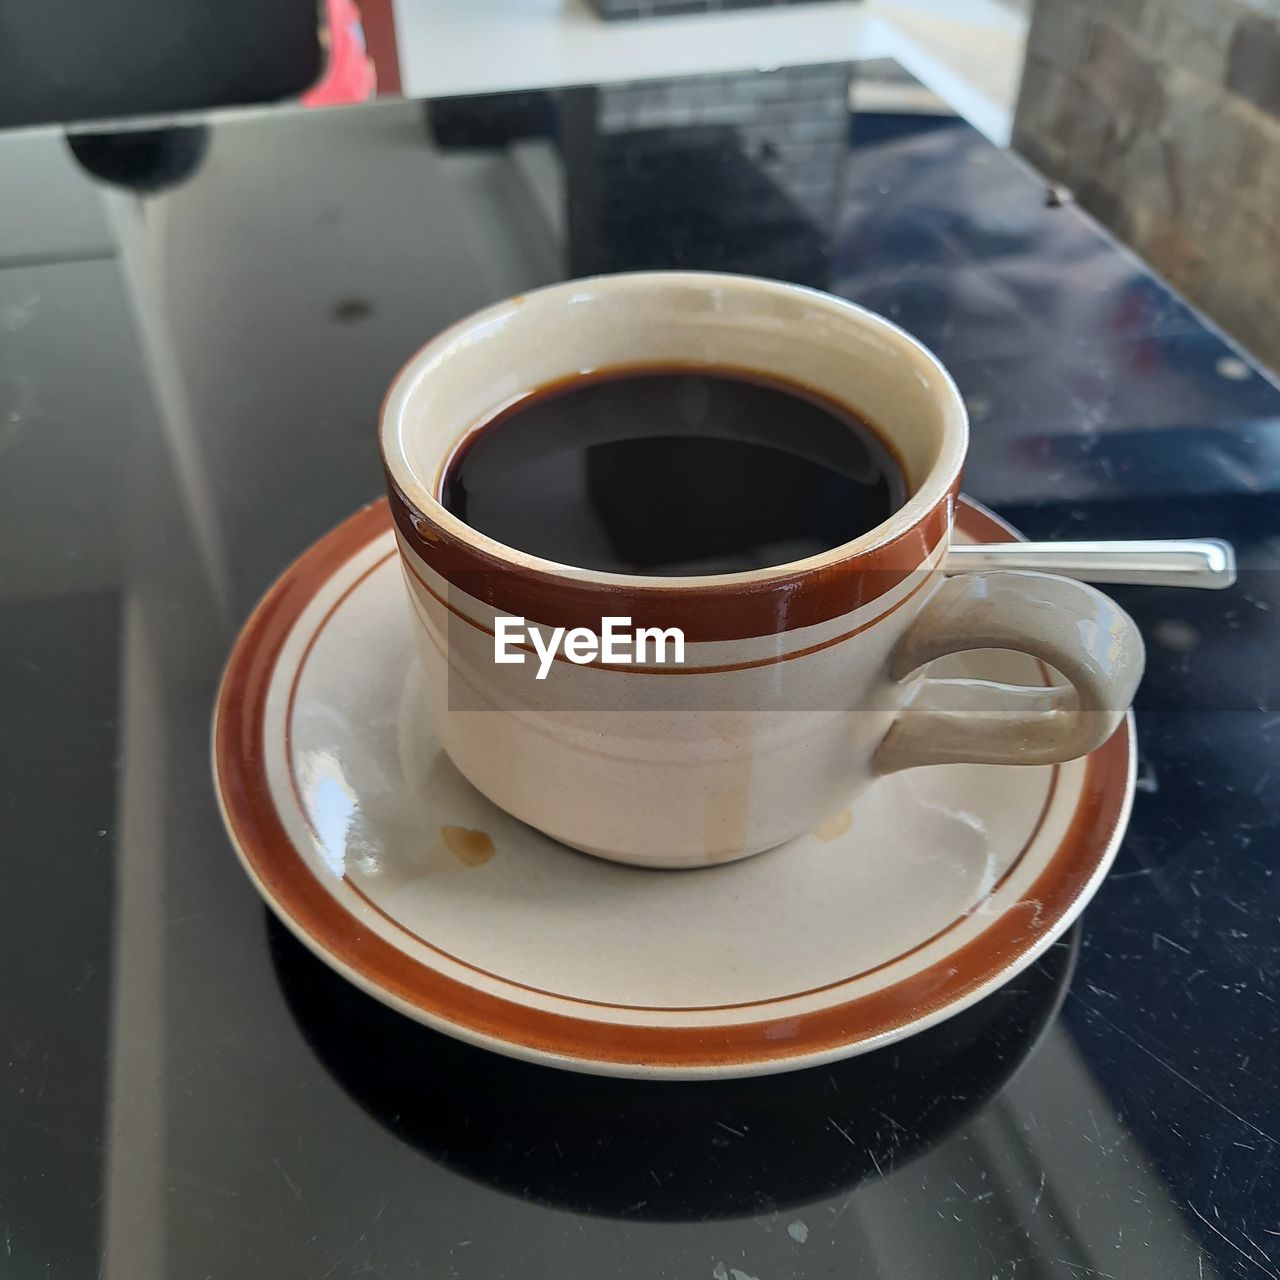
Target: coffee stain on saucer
(472,848)
(835,826)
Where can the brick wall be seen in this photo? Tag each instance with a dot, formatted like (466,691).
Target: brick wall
(792,123)
(734,172)
(1163,116)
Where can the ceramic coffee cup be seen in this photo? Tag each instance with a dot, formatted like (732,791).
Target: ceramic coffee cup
(800,683)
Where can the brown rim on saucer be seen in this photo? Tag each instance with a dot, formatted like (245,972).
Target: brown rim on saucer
(325,925)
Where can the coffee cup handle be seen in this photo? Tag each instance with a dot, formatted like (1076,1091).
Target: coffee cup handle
(1077,630)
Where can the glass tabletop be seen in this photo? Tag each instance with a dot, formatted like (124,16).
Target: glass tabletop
(193,347)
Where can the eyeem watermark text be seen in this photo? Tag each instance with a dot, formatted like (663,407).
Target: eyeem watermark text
(617,643)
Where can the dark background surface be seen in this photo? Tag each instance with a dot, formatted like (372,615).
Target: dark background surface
(188,384)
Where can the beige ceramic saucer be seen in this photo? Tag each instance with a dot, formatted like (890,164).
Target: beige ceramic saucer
(942,884)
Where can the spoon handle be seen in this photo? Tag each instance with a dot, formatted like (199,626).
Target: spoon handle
(1209,563)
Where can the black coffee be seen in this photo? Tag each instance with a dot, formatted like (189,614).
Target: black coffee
(659,470)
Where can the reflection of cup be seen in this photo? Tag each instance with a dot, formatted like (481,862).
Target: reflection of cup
(800,682)
(720,1148)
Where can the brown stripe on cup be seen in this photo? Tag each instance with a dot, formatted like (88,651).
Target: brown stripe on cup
(758,606)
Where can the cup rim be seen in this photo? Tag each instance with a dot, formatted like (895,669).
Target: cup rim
(926,497)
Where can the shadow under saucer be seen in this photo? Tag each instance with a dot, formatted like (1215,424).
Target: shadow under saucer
(658,1149)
